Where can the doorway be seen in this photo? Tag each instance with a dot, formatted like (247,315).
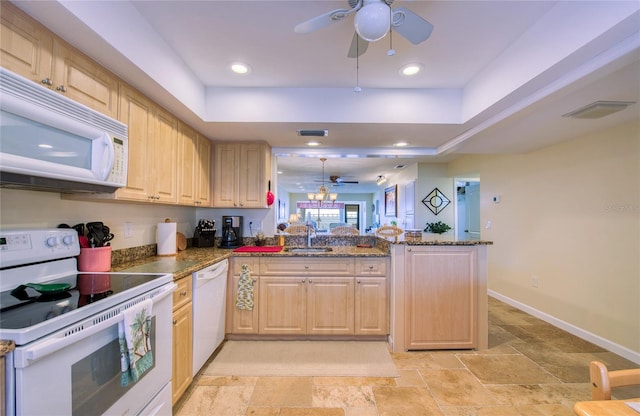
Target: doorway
(467,209)
(352,215)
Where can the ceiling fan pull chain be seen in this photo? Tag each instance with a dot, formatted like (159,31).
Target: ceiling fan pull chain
(357,88)
(391,51)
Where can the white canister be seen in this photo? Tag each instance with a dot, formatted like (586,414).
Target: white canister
(166,238)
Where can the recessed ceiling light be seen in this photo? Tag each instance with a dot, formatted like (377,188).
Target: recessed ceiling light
(401,144)
(240,68)
(411,69)
(313,143)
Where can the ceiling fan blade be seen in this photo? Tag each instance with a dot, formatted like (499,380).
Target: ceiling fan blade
(358,46)
(321,21)
(349,181)
(411,26)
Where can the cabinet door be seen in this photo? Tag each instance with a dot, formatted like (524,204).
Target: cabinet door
(245,321)
(282,305)
(251,176)
(440,298)
(187,164)
(83,80)
(203,171)
(182,351)
(372,306)
(330,306)
(165,158)
(25,45)
(136,112)
(225,179)
(237,320)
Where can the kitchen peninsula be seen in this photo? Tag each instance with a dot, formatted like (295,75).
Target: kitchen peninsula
(435,289)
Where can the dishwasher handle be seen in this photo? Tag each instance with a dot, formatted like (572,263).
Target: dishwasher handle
(212,272)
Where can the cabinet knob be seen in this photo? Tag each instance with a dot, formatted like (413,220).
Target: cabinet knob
(254,280)
(306,267)
(310,281)
(408,249)
(61,88)
(371,267)
(175,322)
(303,280)
(358,281)
(47,81)
(183,293)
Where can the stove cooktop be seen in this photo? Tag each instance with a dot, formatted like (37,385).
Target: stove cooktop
(27,314)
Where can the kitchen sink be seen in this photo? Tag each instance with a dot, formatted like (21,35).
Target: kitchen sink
(308,249)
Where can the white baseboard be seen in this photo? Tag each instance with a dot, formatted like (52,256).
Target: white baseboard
(572,329)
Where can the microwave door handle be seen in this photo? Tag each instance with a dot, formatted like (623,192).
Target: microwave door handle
(106,170)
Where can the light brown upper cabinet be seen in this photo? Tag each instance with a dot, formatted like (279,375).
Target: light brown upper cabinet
(194,168)
(241,175)
(29,49)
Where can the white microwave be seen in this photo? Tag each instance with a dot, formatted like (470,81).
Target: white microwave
(50,142)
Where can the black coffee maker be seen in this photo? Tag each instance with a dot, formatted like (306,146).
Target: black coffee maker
(231,232)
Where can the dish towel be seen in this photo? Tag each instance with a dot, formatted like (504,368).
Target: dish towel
(244,299)
(134,329)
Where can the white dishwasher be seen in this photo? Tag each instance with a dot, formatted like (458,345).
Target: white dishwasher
(209,289)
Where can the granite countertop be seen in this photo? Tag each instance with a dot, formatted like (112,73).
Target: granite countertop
(193,259)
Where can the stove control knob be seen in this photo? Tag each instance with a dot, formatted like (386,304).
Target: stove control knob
(67,240)
(52,241)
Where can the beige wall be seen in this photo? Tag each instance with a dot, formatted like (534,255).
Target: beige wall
(31,209)
(569,216)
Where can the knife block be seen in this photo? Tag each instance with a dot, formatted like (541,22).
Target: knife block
(204,238)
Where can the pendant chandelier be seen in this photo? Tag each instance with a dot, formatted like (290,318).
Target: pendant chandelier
(323,194)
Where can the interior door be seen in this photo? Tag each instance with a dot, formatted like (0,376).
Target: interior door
(352,215)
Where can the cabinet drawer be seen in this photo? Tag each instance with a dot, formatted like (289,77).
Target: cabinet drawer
(252,262)
(182,294)
(309,266)
(371,266)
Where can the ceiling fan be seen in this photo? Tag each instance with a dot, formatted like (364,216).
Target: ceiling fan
(336,180)
(373,20)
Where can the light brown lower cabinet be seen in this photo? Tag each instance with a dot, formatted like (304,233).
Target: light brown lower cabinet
(441,298)
(312,296)
(182,367)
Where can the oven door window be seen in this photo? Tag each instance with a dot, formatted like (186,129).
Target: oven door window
(96,380)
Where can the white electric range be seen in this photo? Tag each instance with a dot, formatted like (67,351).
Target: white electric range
(64,323)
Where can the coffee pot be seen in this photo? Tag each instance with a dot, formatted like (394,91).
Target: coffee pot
(231,232)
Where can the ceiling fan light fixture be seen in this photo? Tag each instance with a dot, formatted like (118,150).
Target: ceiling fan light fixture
(372,21)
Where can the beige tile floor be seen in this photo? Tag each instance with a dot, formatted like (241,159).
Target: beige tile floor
(530,369)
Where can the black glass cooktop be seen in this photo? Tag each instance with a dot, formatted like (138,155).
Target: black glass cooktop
(26,306)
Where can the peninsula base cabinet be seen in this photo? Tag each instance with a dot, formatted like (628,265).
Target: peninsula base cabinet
(313,297)
(440,298)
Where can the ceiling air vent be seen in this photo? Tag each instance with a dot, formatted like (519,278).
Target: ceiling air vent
(313,133)
(599,109)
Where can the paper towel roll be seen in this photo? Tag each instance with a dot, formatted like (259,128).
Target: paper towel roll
(166,238)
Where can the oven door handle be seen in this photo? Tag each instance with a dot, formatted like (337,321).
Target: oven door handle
(52,345)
